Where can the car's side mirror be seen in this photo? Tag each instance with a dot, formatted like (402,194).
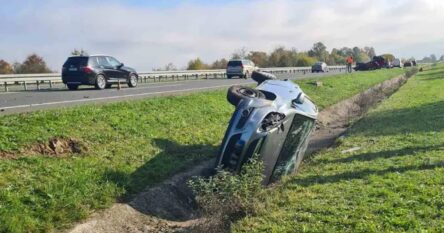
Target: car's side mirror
(120,66)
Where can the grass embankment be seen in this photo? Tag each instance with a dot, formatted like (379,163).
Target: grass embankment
(393,183)
(131,145)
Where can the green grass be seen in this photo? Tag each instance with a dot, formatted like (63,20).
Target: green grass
(394,183)
(131,145)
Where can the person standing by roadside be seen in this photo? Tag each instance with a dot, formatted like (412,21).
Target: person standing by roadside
(349,62)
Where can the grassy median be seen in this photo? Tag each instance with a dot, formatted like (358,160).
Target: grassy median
(392,182)
(130,145)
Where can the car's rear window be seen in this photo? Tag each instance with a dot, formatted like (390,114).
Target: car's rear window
(234,63)
(76,61)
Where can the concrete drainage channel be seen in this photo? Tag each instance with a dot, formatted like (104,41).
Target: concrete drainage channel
(170,205)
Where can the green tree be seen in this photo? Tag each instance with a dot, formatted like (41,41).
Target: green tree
(281,57)
(259,58)
(433,58)
(33,64)
(319,51)
(388,57)
(219,64)
(5,67)
(305,60)
(197,64)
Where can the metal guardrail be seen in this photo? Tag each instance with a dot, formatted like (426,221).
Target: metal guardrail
(8,80)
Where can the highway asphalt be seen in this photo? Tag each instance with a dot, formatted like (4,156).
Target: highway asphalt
(59,97)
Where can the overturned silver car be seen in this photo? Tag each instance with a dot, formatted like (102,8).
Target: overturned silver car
(273,120)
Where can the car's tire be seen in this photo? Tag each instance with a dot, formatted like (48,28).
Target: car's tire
(132,80)
(229,76)
(237,93)
(100,82)
(260,77)
(109,85)
(72,87)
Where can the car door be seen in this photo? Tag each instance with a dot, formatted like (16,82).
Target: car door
(106,67)
(118,72)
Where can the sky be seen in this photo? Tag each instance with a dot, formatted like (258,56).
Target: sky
(151,34)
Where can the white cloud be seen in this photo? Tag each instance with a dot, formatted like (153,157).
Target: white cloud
(146,37)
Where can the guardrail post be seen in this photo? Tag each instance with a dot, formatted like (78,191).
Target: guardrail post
(38,85)
(50,84)
(6,86)
(24,86)
(197,76)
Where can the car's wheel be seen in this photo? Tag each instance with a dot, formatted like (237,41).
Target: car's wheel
(132,81)
(100,82)
(109,85)
(72,86)
(237,93)
(229,76)
(260,77)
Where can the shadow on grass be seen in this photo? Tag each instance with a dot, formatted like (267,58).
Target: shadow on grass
(172,159)
(425,118)
(387,154)
(352,175)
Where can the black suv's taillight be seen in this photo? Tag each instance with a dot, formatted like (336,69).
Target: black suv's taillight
(87,69)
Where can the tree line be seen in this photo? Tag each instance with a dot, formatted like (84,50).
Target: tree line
(284,57)
(33,64)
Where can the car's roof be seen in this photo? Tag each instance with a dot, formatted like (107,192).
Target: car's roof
(239,60)
(92,55)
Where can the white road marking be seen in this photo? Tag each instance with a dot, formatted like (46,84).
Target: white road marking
(150,87)
(115,97)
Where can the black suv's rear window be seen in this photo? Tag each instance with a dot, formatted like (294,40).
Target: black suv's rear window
(234,63)
(76,61)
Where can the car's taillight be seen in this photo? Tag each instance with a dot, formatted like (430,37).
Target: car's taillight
(241,66)
(87,69)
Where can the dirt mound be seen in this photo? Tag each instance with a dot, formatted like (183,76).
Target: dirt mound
(170,206)
(58,147)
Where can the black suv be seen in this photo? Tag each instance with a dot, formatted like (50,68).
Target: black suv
(100,71)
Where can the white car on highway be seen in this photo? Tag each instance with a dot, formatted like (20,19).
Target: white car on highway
(397,63)
(241,68)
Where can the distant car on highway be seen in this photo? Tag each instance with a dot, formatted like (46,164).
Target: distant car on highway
(397,63)
(99,70)
(408,64)
(319,67)
(241,68)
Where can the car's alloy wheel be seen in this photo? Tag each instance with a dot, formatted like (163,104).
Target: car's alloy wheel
(100,82)
(132,82)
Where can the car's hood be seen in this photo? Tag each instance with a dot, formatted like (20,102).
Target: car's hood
(129,69)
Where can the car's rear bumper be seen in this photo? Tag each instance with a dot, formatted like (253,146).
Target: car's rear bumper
(79,80)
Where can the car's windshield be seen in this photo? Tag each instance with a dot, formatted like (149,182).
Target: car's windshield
(234,63)
(76,61)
